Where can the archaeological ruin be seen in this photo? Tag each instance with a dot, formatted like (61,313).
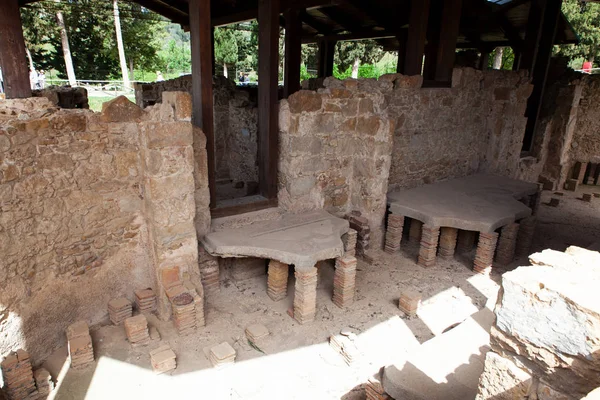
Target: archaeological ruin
(430,234)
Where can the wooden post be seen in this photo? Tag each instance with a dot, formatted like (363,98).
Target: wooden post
(326,52)
(202,85)
(447,41)
(12,52)
(293,52)
(434,26)
(417,30)
(517,59)
(484,60)
(402,40)
(540,68)
(268,63)
(532,35)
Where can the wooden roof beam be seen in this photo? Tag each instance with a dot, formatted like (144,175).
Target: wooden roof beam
(314,23)
(510,32)
(358,35)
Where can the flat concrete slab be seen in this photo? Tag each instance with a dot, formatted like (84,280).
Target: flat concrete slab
(481,202)
(298,239)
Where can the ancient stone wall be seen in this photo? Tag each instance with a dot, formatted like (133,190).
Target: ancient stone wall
(343,147)
(235,125)
(92,206)
(546,338)
(586,139)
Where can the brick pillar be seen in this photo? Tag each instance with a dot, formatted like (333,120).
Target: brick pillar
(591,179)
(525,236)
(536,199)
(393,235)
(277,280)
(429,243)
(466,241)
(414,232)
(448,242)
(344,281)
(579,171)
(485,252)
(349,239)
(305,297)
(507,244)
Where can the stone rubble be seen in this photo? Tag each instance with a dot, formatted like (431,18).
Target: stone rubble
(81,351)
(119,310)
(545,340)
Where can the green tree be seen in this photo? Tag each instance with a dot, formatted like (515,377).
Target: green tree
(352,54)
(226,48)
(585,19)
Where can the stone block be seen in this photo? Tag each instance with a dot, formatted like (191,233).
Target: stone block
(181,103)
(571,185)
(305,101)
(503,380)
(168,134)
(121,109)
(548,318)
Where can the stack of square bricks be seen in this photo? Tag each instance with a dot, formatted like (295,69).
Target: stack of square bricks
(429,243)
(145,300)
(344,280)
(43,381)
(136,329)
(409,302)
(349,240)
(184,309)
(374,390)
(18,376)
(305,298)
(222,355)
(277,280)
(119,310)
(198,302)
(81,352)
(484,256)
(345,346)
(361,225)
(163,359)
(525,236)
(393,235)
(505,252)
(209,270)
(447,242)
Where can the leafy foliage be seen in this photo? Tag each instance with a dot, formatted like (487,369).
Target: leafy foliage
(226,48)
(585,19)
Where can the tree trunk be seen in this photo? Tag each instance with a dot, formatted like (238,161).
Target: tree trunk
(31,67)
(225,70)
(131,71)
(64,38)
(120,46)
(355,68)
(498,58)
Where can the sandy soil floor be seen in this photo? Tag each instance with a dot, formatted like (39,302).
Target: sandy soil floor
(295,361)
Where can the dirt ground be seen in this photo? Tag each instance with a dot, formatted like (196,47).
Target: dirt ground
(295,361)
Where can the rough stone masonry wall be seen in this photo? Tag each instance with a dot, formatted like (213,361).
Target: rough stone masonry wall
(546,338)
(342,145)
(86,213)
(235,123)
